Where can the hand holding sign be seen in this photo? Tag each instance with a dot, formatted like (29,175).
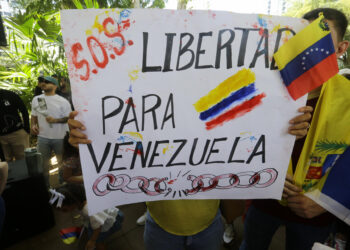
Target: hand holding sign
(76,137)
(301,123)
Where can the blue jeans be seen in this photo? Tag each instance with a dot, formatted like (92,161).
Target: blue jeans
(259,228)
(158,239)
(45,147)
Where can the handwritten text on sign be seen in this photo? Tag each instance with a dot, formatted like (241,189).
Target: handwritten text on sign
(179,104)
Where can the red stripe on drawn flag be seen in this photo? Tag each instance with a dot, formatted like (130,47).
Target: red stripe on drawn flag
(314,77)
(236,111)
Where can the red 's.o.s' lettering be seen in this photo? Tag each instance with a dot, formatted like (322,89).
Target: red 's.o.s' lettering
(80,64)
(115,34)
(100,64)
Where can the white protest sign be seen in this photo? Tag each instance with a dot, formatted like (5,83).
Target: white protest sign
(179,104)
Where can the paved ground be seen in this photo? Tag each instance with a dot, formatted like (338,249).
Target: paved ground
(129,238)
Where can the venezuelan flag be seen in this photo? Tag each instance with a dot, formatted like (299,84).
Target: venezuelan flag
(71,234)
(308,59)
(337,183)
(323,169)
(232,98)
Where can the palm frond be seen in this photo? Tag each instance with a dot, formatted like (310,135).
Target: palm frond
(329,146)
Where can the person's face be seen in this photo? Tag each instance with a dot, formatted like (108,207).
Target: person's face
(340,46)
(49,86)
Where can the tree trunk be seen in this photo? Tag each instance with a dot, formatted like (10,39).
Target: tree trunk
(137,4)
(181,4)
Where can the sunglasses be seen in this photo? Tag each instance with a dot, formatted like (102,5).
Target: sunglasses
(46,81)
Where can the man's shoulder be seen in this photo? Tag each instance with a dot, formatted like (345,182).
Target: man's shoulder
(59,97)
(7,92)
(4,91)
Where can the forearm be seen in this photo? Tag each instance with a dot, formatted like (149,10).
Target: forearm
(60,120)
(95,234)
(75,179)
(25,117)
(33,121)
(23,109)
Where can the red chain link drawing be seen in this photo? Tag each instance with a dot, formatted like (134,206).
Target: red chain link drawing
(139,184)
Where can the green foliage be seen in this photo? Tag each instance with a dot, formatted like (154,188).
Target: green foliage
(329,146)
(296,8)
(35,45)
(35,40)
(43,6)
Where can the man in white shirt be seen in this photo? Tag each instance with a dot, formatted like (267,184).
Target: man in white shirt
(49,121)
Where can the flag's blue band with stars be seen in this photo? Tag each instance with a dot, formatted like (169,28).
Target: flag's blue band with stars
(307,59)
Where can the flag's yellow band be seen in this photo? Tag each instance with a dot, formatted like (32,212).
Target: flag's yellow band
(300,42)
(70,240)
(241,79)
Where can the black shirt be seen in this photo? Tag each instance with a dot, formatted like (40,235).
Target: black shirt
(10,106)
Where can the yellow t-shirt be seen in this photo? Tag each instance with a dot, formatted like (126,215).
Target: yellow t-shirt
(183,217)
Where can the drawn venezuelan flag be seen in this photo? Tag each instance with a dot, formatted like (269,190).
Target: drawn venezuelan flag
(308,59)
(71,234)
(232,98)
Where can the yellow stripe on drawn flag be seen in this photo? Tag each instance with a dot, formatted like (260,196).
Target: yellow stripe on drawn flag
(300,42)
(241,79)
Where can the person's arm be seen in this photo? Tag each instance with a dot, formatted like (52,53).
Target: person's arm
(300,204)
(290,189)
(3,175)
(23,109)
(304,207)
(34,125)
(90,245)
(50,119)
(76,136)
(76,179)
(65,113)
(68,176)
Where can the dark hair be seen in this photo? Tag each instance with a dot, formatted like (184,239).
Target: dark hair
(54,76)
(74,194)
(41,79)
(338,17)
(68,150)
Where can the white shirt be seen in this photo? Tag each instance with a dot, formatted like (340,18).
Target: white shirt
(55,106)
(104,219)
(344,71)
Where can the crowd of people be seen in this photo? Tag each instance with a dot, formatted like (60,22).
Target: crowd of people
(169,224)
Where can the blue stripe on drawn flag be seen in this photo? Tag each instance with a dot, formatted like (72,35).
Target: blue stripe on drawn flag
(337,185)
(225,103)
(307,59)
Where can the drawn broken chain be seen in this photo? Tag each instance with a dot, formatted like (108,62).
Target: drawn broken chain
(124,183)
